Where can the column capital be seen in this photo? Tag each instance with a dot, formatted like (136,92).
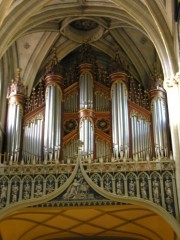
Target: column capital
(173,81)
(177,77)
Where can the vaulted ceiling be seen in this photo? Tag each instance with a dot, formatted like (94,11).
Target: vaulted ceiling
(141,30)
(124,222)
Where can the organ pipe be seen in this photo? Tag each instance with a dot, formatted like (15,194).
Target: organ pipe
(87,136)
(32,140)
(141,138)
(120,125)
(158,108)
(16,96)
(86,91)
(52,139)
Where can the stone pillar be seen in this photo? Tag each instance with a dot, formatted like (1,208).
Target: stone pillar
(172,87)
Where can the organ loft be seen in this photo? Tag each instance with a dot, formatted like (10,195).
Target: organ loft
(85,134)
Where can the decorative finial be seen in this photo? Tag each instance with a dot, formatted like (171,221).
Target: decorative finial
(16,87)
(54,56)
(54,66)
(18,77)
(118,63)
(157,81)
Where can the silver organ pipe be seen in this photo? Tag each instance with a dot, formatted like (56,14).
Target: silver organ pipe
(92,140)
(136,138)
(70,150)
(132,135)
(52,139)
(114,124)
(86,130)
(137,134)
(159,126)
(164,130)
(120,126)
(103,149)
(119,110)
(18,130)
(46,124)
(159,139)
(51,117)
(141,138)
(14,126)
(102,102)
(70,102)
(87,136)
(14,130)
(32,140)
(57,129)
(86,91)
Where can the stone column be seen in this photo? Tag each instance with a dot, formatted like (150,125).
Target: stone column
(172,87)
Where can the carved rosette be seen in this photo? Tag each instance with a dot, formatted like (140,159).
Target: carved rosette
(103,124)
(70,125)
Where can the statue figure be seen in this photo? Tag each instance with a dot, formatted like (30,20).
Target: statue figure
(143,189)
(27,191)
(119,188)
(50,187)
(168,188)
(132,188)
(77,190)
(155,185)
(95,180)
(73,189)
(107,186)
(15,190)
(3,193)
(38,189)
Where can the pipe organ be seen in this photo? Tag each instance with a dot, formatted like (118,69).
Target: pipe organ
(106,111)
(89,127)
